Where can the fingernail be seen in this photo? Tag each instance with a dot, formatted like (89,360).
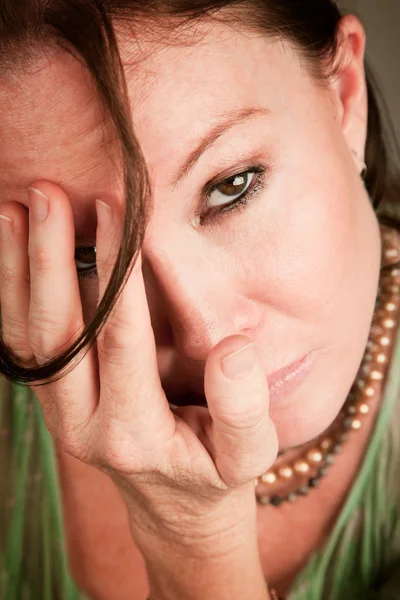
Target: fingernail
(6,228)
(38,204)
(104,216)
(240,363)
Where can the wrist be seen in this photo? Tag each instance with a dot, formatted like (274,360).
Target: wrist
(214,555)
(224,578)
(272,595)
(192,527)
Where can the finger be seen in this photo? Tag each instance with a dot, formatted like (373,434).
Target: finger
(55,314)
(131,391)
(244,437)
(14,280)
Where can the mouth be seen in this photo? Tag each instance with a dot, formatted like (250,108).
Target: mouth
(281,384)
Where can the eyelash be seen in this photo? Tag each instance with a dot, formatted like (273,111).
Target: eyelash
(214,214)
(239,203)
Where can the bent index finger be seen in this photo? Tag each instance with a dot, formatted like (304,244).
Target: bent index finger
(131,390)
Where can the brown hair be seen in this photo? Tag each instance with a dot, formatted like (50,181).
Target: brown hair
(86,29)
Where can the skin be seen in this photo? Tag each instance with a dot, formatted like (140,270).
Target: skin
(296,271)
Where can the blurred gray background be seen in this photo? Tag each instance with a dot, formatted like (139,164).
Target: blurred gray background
(381,19)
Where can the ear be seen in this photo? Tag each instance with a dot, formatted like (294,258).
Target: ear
(350,88)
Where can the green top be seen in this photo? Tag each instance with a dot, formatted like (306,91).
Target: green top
(360,559)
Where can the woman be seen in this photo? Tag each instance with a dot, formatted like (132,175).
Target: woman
(132,134)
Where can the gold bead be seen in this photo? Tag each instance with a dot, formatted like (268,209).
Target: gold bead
(315,456)
(369,391)
(285,472)
(301,466)
(363,408)
(381,358)
(390,307)
(376,375)
(395,273)
(393,289)
(269,477)
(326,443)
(389,323)
(392,253)
(356,424)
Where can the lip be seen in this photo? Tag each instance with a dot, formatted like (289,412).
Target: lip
(283,382)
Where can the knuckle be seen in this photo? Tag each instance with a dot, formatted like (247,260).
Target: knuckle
(115,338)
(42,322)
(41,258)
(49,332)
(121,457)
(236,473)
(7,273)
(20,349)
(117,452)
(118,460)
(15,338)
(241,459)
(241,421)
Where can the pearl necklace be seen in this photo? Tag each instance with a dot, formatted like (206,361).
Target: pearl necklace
(315,462)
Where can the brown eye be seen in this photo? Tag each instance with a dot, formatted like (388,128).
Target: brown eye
(85,259)
(231,189)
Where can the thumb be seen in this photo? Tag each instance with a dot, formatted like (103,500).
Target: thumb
(244,438)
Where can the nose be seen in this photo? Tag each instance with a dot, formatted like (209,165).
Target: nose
(196,298)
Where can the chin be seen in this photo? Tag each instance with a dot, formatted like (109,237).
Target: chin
(310,410)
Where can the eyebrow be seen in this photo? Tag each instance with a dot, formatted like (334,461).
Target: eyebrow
(225,122)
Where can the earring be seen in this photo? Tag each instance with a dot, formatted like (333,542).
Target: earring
(363,173)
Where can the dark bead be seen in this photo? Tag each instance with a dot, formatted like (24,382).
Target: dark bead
(276,500)
(351,409)
(313,482)
(337,448)
(344,436)
(323,471)
(303,490)
(329,459)
(292,497)
(347,423)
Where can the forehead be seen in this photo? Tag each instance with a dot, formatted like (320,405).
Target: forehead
(53,126)
(180,91)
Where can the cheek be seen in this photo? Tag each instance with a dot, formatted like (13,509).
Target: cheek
(311,251)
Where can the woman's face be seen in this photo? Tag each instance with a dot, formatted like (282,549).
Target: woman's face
(296,269)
